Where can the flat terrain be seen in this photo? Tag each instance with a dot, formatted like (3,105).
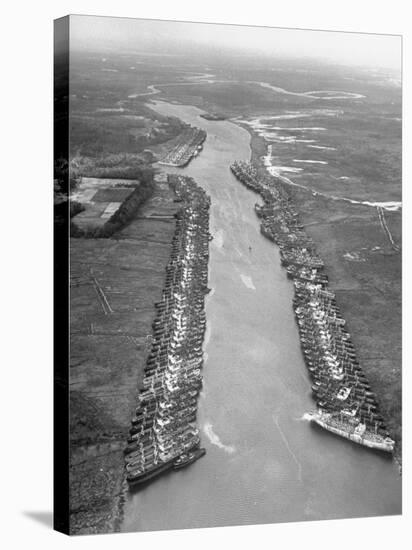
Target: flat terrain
(114,284)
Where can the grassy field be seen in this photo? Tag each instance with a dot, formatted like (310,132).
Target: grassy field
(104,119)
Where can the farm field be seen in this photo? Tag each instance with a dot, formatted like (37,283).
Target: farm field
(101,198)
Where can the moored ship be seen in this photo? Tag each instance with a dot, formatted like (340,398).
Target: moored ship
(353,430)
(188,458)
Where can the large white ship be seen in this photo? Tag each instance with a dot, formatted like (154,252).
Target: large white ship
(353,430)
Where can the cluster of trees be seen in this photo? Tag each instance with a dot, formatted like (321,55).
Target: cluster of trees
(140,172)
(103,134)
(64,181)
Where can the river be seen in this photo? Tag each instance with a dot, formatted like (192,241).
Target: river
(265,463)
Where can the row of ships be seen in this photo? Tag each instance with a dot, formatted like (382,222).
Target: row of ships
(189,146)
(346,405)
(164,435)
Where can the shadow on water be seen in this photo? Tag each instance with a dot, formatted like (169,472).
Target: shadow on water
(43,518)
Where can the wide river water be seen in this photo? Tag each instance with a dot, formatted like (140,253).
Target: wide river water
(265,463)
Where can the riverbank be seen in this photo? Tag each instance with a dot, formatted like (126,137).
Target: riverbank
(365,272)
(114,285)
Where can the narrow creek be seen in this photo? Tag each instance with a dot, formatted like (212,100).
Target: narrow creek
(265,462)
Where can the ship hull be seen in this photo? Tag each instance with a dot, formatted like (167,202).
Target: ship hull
(153,472)
(356,438)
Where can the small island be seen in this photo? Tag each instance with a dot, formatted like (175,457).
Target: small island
(213,116)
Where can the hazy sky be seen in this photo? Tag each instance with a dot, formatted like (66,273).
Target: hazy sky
(347,48)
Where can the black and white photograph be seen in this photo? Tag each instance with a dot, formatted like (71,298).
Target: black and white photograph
(235,245)
(205,275)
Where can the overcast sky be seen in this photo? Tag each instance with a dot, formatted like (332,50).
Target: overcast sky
(343,48)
